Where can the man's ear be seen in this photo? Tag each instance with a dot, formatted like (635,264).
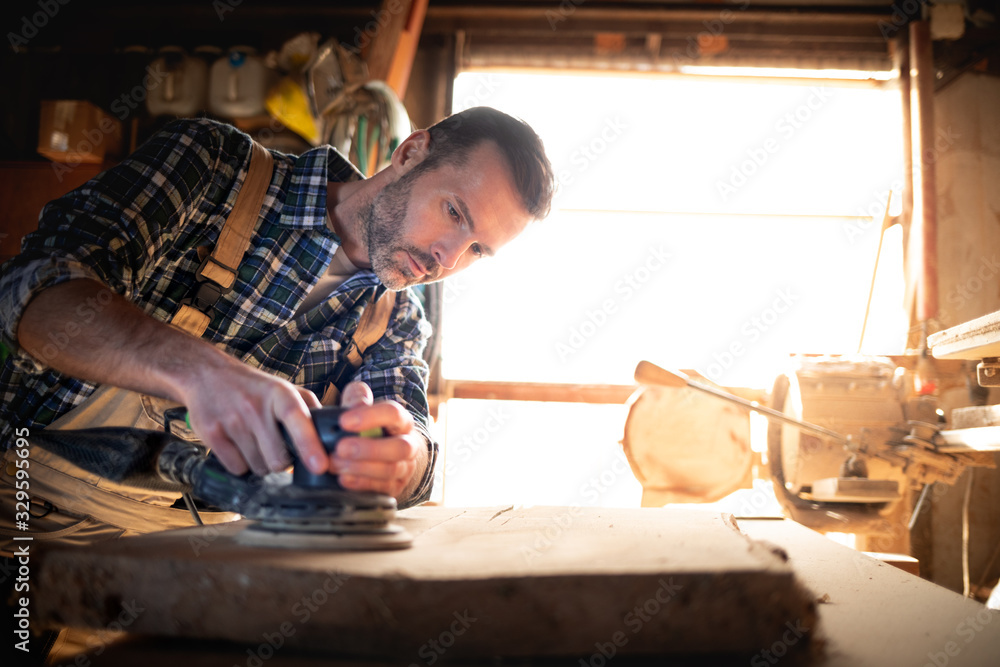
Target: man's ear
(411,152)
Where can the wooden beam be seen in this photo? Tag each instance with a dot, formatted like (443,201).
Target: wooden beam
(391,51)
(539,391)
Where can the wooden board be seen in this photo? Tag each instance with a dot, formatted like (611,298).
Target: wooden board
(976,339)
(855,490)
(484,582)
(975,416)
(875,615)
(871,615)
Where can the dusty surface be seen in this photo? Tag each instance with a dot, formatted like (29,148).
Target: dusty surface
(477,582)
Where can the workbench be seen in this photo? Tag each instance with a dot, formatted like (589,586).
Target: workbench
(727,592)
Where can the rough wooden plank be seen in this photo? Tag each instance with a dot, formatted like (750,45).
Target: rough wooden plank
(975,416)
(976,339)
(529,582)
(872,615)
(855,490)
(876,615)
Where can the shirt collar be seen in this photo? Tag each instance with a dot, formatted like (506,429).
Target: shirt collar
(305,196)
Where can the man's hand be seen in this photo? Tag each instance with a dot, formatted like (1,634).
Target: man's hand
(236,413)
(384,464)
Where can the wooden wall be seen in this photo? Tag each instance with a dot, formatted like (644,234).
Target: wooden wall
(967,155)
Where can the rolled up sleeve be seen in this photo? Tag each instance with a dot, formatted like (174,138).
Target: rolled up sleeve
(394,368)
(21,281)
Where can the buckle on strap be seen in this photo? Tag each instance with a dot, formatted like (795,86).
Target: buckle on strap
(209,259)
(206,296)
(209,291)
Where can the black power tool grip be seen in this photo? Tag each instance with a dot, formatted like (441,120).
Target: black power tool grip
(327,423)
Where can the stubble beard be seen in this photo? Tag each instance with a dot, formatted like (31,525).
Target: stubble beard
(382,222)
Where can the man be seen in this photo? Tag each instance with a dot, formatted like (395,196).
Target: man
(87,302)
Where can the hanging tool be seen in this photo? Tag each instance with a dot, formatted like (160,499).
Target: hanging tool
(290,510)
(649,373)
(921,452)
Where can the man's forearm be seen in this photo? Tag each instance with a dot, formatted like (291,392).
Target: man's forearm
(108,340)
(234,408)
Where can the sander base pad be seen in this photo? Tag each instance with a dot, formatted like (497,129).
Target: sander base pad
(390,536)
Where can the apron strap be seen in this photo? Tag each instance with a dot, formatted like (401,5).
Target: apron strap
(371,327)
(217,272)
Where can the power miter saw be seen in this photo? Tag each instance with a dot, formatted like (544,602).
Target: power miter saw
(298,509)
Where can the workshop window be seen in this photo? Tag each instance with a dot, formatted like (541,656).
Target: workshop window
(712,223)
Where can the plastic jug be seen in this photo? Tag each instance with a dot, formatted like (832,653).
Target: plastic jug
(238,84)
(182,84)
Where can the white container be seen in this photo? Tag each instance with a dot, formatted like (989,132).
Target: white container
(238,84)
(182,84)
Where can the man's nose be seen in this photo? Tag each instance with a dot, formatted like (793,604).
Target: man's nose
(447,251)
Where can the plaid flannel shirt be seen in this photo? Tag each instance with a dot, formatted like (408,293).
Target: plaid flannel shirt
(137,227)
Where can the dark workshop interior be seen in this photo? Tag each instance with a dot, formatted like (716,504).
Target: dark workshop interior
(745,373)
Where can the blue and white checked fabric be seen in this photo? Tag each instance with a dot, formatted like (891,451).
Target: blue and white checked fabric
(137,227)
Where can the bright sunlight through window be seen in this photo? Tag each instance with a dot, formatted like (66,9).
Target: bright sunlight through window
(711,223)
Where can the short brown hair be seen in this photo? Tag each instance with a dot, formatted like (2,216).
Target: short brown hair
(453,138)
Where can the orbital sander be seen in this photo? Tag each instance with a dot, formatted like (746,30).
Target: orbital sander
(299,509)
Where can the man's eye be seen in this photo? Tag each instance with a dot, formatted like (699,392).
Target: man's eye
(477,250)
(453,213)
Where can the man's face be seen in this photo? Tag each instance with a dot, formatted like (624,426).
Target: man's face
(425,228)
